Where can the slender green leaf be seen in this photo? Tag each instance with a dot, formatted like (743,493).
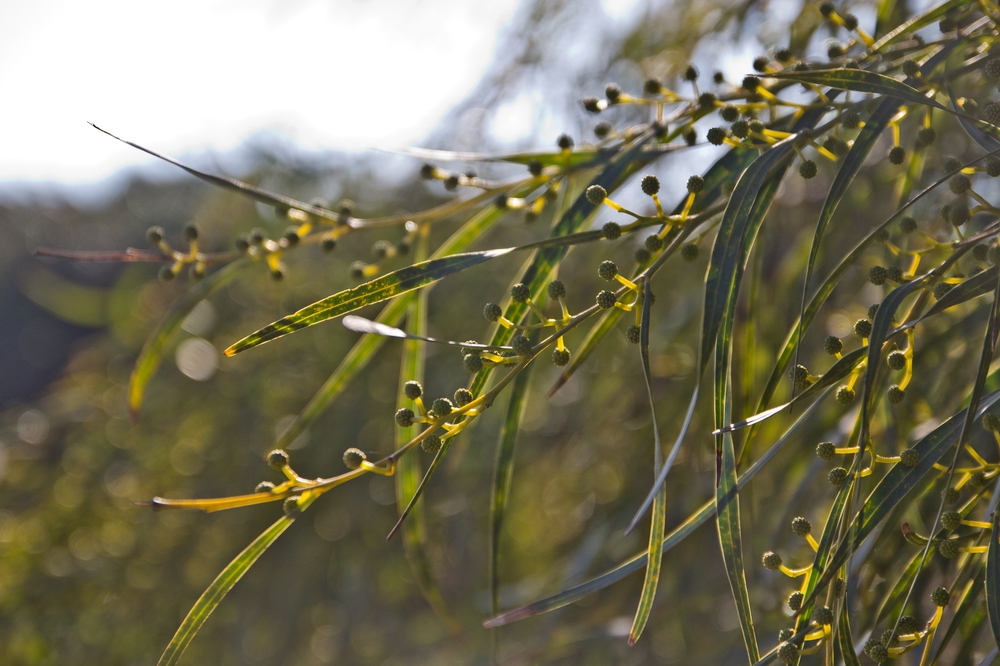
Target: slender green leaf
(845,640)
(375,291)
(152,350)
(219,588)
(993,579)
(966,604)
(918,22)
(985,141)
(579,157)
(859,80)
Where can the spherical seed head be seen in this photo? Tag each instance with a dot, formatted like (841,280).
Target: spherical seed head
(940,289)
(556,290)
(431,444)
(520,293)
(358,270)
(264,487)
(909,458)
(771,560)
(948,550)
(991,422)
(801,526)
(472,363)
(826,450)
(800,375)
(850,120)
(895,394)
(750,83)
(412,389)
(404,417)
(795,601)
(951,495)
(827,9)
(833,345)
(977,480)
(980,251)
(760,64)
(602,129)
(716,136)
(808,169)
(612,91)
(896,360)
(889,639)
(689,251)
(839,588)
(650,185)
(691,73)
(427,171)
(706,100)
(652,86)
(611,231)
(718,77)
(992,69)
(521,345)
(441,407)
(897,154)
(463,396)
(872,311)
(560,357)
(823,615)
(166,273)
(291,506)
(911,68)
(691,136)
(642,255)
(607,270)
(190,232)
(492,312)
(991,112)
(877,275)
(970,106)
(947,24)
(354,457)
(959,184)
(876,651)
(785,634)
(908,225)
(695,184)
(975,270)
(783,55)
(653,243)
(862,328)
(277,459)
(154,235)
(740,129)
(788,652)
(836,146)
(632,334)
(590,104)
(958,214)
(926,137)
(993,254)
(951,520)
(565,142)
(596,194)
(895,274)
(606,299)
(845,396)
(908,625)
(993,166)
(837,476)
(729,113)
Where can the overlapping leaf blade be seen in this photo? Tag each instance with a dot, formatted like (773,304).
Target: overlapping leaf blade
(993,579)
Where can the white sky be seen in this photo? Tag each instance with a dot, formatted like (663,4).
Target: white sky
(191,75)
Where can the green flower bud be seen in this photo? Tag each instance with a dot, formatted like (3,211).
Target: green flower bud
(606,299)
(850,120)
(463,396)
(190,232)
(689,251)
(718,78)
(590,104)
(706,100)
(291,506)
(740,129)
(785,634)
(441,407)
(977,480)
(521,345)
(472,363)
(839,588)
(800,375)
(993,166)
(836,146)
(911,68)
(413,390)
(431,444)
(632,334)
(909,458)
(896,360)
(166,273)
(492,312)
(653,243)
(872,311)
(795,601)
(602,129)
(877,275)
(596,194)
(264,487)
(823,615)
(992,113)
(895,394)
(716,136)
(560,357)
(951,495)
(607,270)
(908,225)
(771,560)
(784,55)
(826,450)
(960,184)
(520,293)
(889,639)
(291,236)
(757,126)
(845,396)
(908,625)
(875,650)
(154,235)
(801,526)
(611,231)
(941,597)
(358,270)
(690,136)
(760,64)
(751,83)
(958,214)
(835,51)
(565,142)
(948,549)
(862,328)
(951,520)
(788,652)
(404,417)
(926,137)
(808,169)
(833,345)
(642,255)
(277,459)
(837,476)
(979,252)
(354,457)
(652,86)
(650,185)
(991,422)
(695,184)
(613,91)
(897,154)
(556,290)
(940,289)
(729,113)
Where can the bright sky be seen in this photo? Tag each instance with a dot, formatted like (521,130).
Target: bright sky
(190,75)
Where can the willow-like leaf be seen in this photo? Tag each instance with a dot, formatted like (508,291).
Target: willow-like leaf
(985,141)
(219,588)
(152,350)
(967,603)
(362,325)
(860,80)
(845,640)
(579,156)
(918,22)
(993,580)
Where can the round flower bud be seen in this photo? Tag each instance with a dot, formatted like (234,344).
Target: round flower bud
(431,444)
(926,137)
(877,275)
(991,112)
(826,450)
(606,299)
(358,270)
(839,588)
(897,154)
(808,169)
(788,652)
(993,166)
(611,231)
(959,184)
(940,289)
(166,273)
(520,293)
(992,69)
(947,24)
(872,311)
(404,417)
(565,142)
(760,64)
(690,136)
(602,129)
(907,225)
(718,77)
(977,480)
(691,73)
(751,83)
(784,55)
(607,270)
(729,113)
(264,487)
(951,164)
(650,185)
(862,328)
(560,357)
(993,254)
(190,232)
(695,184)
(980,252)
(706,100)
(556,290)
(757,126)
(277,459)
(951,520)
(642,255)
(823,615)
(850,120)
(441,407)
(771,560)
(881,236)
(951,495)
(652,86)
(895,394)
(590,104)
(837,476)
(896,360)
(242,244)
(800,375)
(833,345)
(911,68)
(889,639)
(991,422)
(948,549)
(653,243)
(785,634)
(689,251)
(154,235)
(413,390)
(908,625)
(740,129)
(909,458)
(492,312)
(716,136)
(632,334)
(834,51)
(596,194)
(836,146)
(354,457)
(612,91)
(795,601)
(521,345)
(801,526)
(845,396)
(463,396)
(291,506)
(876,651)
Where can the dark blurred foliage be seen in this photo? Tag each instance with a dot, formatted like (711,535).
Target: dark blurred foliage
(88,577)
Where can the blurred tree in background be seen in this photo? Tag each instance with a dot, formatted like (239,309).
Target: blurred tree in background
(89,576)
